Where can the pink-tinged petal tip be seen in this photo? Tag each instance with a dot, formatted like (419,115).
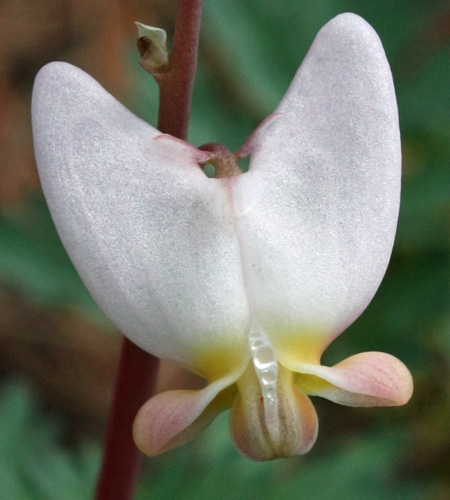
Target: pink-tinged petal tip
(365,379)
(173,418)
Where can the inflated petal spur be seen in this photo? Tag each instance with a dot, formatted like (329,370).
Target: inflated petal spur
(244,279)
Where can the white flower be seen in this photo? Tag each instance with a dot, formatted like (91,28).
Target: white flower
(243,280)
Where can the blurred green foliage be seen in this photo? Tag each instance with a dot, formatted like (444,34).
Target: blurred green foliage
(249,53)
(36,465)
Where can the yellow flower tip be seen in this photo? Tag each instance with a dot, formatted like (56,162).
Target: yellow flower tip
(300,345)
(227,357)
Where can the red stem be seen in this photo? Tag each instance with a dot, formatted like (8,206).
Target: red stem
(137,373)
(176,86)
(136,381)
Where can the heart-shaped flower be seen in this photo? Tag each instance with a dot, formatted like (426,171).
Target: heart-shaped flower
(243,279)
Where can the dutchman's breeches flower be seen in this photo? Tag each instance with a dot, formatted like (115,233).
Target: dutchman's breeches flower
(241,279)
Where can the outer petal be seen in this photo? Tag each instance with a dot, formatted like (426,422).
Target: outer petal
(151,236)
(365,379)
(319,205)
(175,417)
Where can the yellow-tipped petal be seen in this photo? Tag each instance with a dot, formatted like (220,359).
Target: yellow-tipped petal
(319,206)
(151,236)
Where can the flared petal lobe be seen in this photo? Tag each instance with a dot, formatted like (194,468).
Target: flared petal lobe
(365,379)
(318,209)
(152,237)
(173,418)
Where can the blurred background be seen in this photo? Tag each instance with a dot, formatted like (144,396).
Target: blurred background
(58,353)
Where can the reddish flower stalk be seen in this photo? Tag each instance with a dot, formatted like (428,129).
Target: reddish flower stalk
(137,372)
(136,381)
(176,86)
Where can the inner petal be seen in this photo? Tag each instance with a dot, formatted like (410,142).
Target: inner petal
(292,429)
(266,367)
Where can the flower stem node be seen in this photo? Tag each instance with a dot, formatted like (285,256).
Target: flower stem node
(224,161)
(246,278)
(153,49)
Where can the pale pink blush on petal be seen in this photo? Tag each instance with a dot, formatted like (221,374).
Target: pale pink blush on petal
(257,136)
(173,418)
(198,155)
(365,379)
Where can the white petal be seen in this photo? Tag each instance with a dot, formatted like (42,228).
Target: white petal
(152,237)
(319,206)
